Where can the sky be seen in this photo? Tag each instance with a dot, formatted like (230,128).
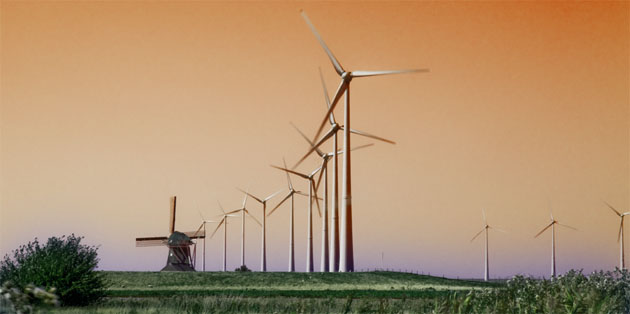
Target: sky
(110,108)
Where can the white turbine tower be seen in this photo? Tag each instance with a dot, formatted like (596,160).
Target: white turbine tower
(243,210)
(291,193)
(622,264)
(552,225)
(332,133)
(346,258)
(312,188)
(486,274)
(325,264)
(221,222)
(263,250)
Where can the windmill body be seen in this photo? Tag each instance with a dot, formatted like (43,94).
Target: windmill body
(346,251)
(179,256)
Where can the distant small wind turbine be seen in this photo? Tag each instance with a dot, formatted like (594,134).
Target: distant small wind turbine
(311,194)
(622,264)
(291,193)
(263,250)
(203,226)
(243,210)
(221,222)
(486,273)
(553,241)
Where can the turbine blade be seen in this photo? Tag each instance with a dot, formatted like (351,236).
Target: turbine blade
(476,235)
(332,58)
(252,196)
(217,228)
(361,146)
(483,213)
(342,88)
(541,231)
(245,198)
(281,202)
(620,228)
(568,226)
(252,217)
(313,147)
(613,209)
(272,195)
(234,211)
(288,176)
(291,171)
(332,115)
(221,207)
(200,214)
(301,193)
(357,132)
(497,229)
(377,73)
(321,174)
(197,232)
(319,152)
(319,211)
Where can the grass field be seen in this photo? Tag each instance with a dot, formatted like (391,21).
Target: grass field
(218,292)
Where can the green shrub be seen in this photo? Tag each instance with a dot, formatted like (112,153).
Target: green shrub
(62,263)
(243,269)
(14,300)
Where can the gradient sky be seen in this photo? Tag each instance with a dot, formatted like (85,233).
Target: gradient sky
(108,109)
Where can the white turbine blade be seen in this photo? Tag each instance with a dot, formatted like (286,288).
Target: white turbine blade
(332,115)
(330,133)
(319,211)
(620,228)
(362,146)
(250,195)
(613,209)
(541,231)
(483,213)
(315,171)
(197,232)
(497,229)
(319,152)
(272,195)
(342,88)
(291,171)
(301,193)
(281,202)
(476,235)
(252,217)
(321,173)
(221,207)
(376,73)
(567,226)
(332,58)
(288,176)
(357,132)
(234,211)
(200,214)
(217,228)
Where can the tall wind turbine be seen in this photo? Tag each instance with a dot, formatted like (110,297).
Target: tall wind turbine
(486,273)
(221,222)
(346,260)
(312,193)
(622,264)
(263,250)
(203,226)
(291,193)
(332,133)
(243,210)
(552,225)
(325,264)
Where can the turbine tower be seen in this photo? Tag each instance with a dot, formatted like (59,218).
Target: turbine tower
(243,210)
(332,133)
(346,258)
(263,250)
(291,193)
(622,264)
(312,193)
(486,274)
(552,225)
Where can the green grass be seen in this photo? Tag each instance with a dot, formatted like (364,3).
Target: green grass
(254,292)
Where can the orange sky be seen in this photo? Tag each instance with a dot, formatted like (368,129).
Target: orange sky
(108,109)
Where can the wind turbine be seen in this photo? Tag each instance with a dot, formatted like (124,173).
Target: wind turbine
(346,260)
(312,189)
(263,251)
(203,226)
(291,193)
(622,263)
(486,273)
(553,241)
(325,264)
(243,210)
(224,221)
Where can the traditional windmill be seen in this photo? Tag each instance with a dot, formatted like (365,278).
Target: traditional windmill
(179,255)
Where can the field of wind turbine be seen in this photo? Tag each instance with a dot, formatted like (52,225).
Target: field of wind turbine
(467,105)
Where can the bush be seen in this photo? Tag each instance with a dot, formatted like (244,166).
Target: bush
(243,269)
(14,300)
(63,264)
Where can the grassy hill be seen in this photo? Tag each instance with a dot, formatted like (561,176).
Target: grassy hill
(254,292)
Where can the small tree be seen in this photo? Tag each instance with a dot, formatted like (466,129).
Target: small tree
(243,269)
(62,263)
